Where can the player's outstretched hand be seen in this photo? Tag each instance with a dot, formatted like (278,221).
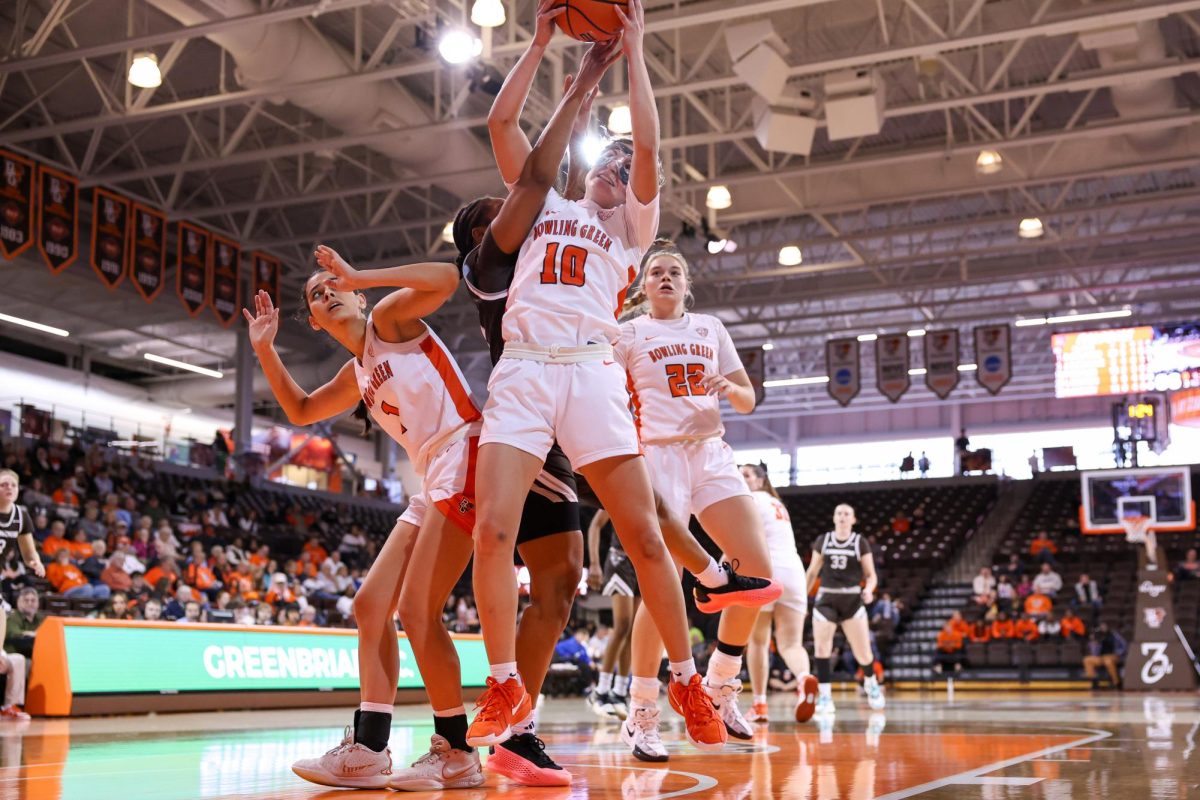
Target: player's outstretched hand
(264,322)
(633,25)
(547,12)
(596,61)
(345,277)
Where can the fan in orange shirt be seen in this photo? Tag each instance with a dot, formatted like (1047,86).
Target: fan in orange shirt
(1038,605)
(63,575)
(1025,629)
(279,592)
(1003,628)
(315,551)
(57,540)
(1072,626)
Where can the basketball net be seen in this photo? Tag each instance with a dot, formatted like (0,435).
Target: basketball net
(1138,531)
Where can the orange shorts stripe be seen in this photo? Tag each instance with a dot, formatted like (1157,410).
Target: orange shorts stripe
(460,508)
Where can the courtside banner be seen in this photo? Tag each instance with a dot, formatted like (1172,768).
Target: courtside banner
(226,280)
(58,218)
(110,236)
(266,275)
(842,365)
(193,278)
(95,657)
(148,255)
(993,356)
(892,358)
(941,362)
(16,204)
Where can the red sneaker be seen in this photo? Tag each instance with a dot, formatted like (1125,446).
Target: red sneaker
(705,728)
(806,702)
(500,705)
(13,712)
(523,760)
(742,590)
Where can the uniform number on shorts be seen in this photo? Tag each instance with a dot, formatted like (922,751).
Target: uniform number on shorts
(684,380)
(566,268)
(838,561)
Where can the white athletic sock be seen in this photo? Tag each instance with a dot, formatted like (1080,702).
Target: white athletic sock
(682,671)
(760,699)
(378,708)
(604,685)
(722,668)
(643,691)
(621,685)
(869,681)
(528,725)
(713,576)
(825,690)
(502,672)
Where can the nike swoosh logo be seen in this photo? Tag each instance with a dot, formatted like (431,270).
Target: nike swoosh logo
(608,363)
(651,338)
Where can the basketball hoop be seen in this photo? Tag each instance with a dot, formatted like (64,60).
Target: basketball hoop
(1137,528)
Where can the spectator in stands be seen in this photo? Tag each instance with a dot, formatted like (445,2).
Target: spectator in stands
(67,494)
(885,610)
(984,587)
(68,581)
(1013,568)
(1003,627)
(154,510)
(263,615)
(316,552)
(1025,628)
(981,631)
(950,643)
(1038,605)
(1189,568)
(1024,587)
(57,540)
(280,591)
(115,576)
(90,523)
(41,526)
(235,552)
(352,544)
(167,571)
(152,610)
(907,464)
(21,628)
(215,516)
(308,617)
(199,576)
(1105,649)
(191,612)
(176,606)
(142,546)
(1042,549)
(92,565)
(14,666)
(80,546)
(1006,594)
(923,464)
(1072,626)
(1049,626)
(165,543)
(1048,582)
(961,444)
(117,607)
(1034,466)
(901,524)
(34,495)
(1087,594)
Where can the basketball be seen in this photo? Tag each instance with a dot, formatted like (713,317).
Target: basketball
(591,20)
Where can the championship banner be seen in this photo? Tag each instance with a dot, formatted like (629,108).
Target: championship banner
(266,275)
(148,253)
(892,358)
(841,363)
(941,362)
(194,271)
(58,218)
(993,356)
(16,205)
(110,236)
(754,362)
(226,280)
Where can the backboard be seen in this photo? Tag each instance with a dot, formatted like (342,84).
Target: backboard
(1162,494)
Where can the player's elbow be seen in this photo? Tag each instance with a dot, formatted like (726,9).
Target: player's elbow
(446,279)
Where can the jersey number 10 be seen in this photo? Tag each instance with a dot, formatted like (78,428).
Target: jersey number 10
(568,269)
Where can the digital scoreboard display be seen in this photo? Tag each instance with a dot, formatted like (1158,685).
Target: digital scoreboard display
(1149,358)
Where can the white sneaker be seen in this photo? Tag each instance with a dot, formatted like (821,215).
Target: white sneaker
(825,707)
(348,766)
(875,726)
(601,704)
(875,697)
(442,767)
(640,733)
(725,700)
(620,706)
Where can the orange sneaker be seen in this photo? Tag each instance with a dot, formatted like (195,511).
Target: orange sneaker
(758,713)
(13,712)
(806,701)
(500,705)
(705,729)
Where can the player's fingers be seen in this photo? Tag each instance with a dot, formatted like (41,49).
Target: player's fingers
(246,314)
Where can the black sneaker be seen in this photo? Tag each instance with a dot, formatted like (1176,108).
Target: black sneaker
(522,759)
(742,590)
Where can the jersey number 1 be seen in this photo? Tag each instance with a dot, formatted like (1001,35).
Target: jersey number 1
(567,269)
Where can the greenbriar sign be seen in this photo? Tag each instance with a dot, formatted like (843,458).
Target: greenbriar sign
(213,658)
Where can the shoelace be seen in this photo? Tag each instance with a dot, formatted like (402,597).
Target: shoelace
(436,751)
(492,703)
(647,720)
(697,701)
(538,748)
(346,744)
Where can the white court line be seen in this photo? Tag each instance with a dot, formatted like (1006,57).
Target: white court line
(979,771)
(998,781)
(703,782)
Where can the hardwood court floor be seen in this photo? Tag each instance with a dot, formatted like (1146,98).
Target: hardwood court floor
(979,746)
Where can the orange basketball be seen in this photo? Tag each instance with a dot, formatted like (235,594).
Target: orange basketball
(591,20)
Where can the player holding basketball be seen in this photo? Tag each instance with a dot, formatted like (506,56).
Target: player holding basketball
(842,560)
(557,379)
(409,384)
(680,366)
(787,613)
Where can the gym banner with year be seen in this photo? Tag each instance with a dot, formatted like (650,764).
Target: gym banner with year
(16,204)
(82,657)
(226,280)
(193,278)
(941,362)
(148,254)
(892,359)
(993,356)
(58,218)
(110,236)
(842,365)
(266,275)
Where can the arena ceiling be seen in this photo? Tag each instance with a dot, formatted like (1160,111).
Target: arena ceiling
(343,126)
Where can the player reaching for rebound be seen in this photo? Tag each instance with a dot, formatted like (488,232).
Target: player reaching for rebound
(410,385)
(786,613)
(557,380)
(842,560)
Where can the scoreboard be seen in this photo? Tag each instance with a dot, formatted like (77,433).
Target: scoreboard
(1148,358)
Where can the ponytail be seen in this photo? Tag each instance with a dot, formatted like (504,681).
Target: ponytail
(360,413)
(760,470)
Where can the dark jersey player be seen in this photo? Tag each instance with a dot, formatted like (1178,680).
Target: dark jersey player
(16,528)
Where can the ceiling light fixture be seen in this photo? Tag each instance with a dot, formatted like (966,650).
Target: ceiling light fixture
(917,371)
(768,346)
(868,337)
(620,120)
(1030,228)
(988,162)
(716,246)
(790,256)
(916,333)
(796,382)
(488,13)
(718,198)
(1061,319)
(170,362)
(967,367)
(37,326)
(144,72)
(459,47)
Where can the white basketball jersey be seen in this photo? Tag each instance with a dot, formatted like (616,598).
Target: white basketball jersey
(666,360)
(414,391)
(574,269)
(777,527)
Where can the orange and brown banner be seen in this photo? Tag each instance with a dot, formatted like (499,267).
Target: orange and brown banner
(194,268)
(110,236)
(266,275)
(16,204)
(226,280)
(58,218)
(148,253)
(941,362)
(892,359)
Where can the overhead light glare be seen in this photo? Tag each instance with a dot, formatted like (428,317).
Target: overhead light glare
(1030,228)
(790,256)
(967,367)
(593,146)
(448,232)
(916,333)
(768,346)
(488,13)
(459,47)
(868,337)
(170,362)
(1030,322)
(144,72)
(37,326)
(717,246)
(718,198)
(917,371)
(988,162)
(620,120)
(796,382)
(1089,316)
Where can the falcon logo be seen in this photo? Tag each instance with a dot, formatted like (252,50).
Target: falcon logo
(388,408)
(1155,617)
(702,332)
(465,506)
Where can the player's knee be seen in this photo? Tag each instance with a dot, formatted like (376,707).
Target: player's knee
(491,534)
(412,614)
(368,610)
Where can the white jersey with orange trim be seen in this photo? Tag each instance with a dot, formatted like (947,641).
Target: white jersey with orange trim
(574,269)
(666,360)
(777,526)
(415,391)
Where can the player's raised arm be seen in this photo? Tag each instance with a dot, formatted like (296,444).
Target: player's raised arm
(422,289)
(643,171)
